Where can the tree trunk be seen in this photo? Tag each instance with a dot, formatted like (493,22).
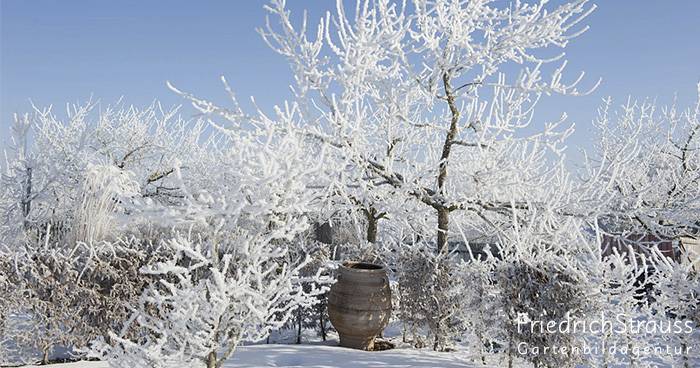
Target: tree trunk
(633,362)
(444,213)
(322,322)
(45,357)
(372,228)
(606,357)
(299,320)
(510,350)
(322,319)
(403,332)
(211,360)
(27,201)
(443,224)
(324,233)
(451,134)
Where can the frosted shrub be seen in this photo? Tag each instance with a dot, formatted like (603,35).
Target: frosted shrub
(102,196)
(205,303)
(313,316)
(623,296)
(66,296)
(483,319)
(67,188)
(677,302)
(430,295)
(60,170)
(533,293)
(230,277)
(73,287)
(363,251)
(9,305)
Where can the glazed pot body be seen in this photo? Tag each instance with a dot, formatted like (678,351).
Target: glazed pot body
(359,304)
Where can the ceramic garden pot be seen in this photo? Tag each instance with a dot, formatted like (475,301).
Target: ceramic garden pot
(359,304)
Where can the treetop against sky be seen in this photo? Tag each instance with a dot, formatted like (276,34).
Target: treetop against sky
(54,52)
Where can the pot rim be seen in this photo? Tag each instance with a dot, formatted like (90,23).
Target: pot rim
(374,267)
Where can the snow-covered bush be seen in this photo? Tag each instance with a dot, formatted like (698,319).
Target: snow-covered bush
(480,310)
(68,186)
(430,295)
(622,293)
(72,285)
(229,278)
(537,292)
(8,304)
(66,296)
(315,315)
(206,301)
(677,302)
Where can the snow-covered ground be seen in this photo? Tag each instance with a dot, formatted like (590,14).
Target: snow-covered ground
(327,356)
(319,356)
(314,353)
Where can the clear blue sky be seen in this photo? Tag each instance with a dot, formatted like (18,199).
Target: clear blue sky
(56,51)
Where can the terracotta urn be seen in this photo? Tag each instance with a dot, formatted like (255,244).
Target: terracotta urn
(359,304)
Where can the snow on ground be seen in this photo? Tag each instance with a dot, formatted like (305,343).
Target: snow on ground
(72,365)
(314,353)
(333,356)
(326,356)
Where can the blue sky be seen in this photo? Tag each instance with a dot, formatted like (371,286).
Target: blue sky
(54,52)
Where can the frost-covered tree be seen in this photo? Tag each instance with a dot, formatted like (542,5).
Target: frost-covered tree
(47,167)
(404,126)
(415,101)
(430,138)
(643,178)
(17,178)
(640,183)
